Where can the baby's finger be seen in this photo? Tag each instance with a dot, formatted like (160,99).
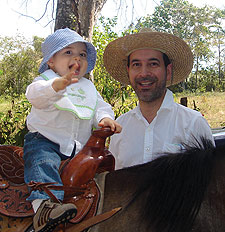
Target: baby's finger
(74,80)
(74,67)
(111,125)
(69,75)
(101,124)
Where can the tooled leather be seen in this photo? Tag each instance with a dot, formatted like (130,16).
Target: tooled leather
(86,203)
(13,190)
(11,164)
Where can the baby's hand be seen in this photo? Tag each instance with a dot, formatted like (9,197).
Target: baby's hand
(115,126)
(62,82)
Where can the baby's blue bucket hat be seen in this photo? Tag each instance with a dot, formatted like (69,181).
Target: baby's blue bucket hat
(60,39)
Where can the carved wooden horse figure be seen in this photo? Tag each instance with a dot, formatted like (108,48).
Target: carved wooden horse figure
(77,175)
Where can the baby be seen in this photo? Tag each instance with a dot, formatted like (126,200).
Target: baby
(65,108)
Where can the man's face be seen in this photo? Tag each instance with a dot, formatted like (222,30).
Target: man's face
(148,74)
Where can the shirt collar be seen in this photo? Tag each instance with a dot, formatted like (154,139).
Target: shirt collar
(167,101)
(166,104)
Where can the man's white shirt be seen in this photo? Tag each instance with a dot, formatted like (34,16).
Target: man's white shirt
(140,142)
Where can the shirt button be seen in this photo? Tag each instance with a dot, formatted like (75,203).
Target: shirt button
(147,148)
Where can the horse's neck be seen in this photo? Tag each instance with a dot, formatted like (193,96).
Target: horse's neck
(211,215)
(124,185)
(120,188)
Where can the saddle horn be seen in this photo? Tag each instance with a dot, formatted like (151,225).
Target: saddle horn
(83,167)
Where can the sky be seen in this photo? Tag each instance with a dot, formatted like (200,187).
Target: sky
(13,21)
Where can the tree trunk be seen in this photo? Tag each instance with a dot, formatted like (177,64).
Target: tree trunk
(196,74)
(80,15)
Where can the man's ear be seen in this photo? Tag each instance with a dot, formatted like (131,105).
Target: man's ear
(128,73)
(169,72)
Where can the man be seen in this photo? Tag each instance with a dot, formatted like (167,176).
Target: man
(150,62)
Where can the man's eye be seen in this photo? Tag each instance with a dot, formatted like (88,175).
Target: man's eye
(135,64)
(154,64)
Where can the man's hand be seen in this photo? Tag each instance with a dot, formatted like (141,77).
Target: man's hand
(62,82)
(116,127)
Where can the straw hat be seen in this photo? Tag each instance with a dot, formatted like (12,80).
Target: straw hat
(179,53)
(60,39)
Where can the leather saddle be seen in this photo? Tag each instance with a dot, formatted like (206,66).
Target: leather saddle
(85,195)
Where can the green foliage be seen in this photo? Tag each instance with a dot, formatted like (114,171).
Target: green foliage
(18,71)
(18,67)
(122,98)
(12,44)
(19,64)
(13,122)
(37,41)
(200,27)
(208,81)
(167,17)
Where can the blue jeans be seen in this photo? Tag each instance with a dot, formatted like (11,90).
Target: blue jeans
(42,159)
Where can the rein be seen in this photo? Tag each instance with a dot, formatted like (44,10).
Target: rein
(94,220)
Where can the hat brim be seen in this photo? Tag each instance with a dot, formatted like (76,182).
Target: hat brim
(179,53)
(91,56)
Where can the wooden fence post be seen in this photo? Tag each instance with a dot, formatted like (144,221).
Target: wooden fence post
(183,101)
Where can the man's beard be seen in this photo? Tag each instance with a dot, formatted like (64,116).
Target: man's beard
(150,95)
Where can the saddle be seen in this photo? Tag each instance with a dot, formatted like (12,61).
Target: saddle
(79,184)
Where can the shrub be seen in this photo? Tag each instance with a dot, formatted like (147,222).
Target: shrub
(13,122)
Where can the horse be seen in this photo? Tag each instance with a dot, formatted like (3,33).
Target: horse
(173,193)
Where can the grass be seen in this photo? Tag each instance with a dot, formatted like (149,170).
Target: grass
(211,105)
(5,104)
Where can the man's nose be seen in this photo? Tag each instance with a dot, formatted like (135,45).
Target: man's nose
(143,70)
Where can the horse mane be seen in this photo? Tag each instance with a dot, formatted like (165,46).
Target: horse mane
(176,185)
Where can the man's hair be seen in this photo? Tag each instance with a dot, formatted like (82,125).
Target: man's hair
(165,59)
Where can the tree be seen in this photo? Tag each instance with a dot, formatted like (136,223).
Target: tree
(190,23)
(121,98)
(219,42)
(18,64)
(80,15)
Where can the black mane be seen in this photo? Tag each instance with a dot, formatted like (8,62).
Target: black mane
(176,184)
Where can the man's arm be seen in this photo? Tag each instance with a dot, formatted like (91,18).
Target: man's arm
(200,129)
